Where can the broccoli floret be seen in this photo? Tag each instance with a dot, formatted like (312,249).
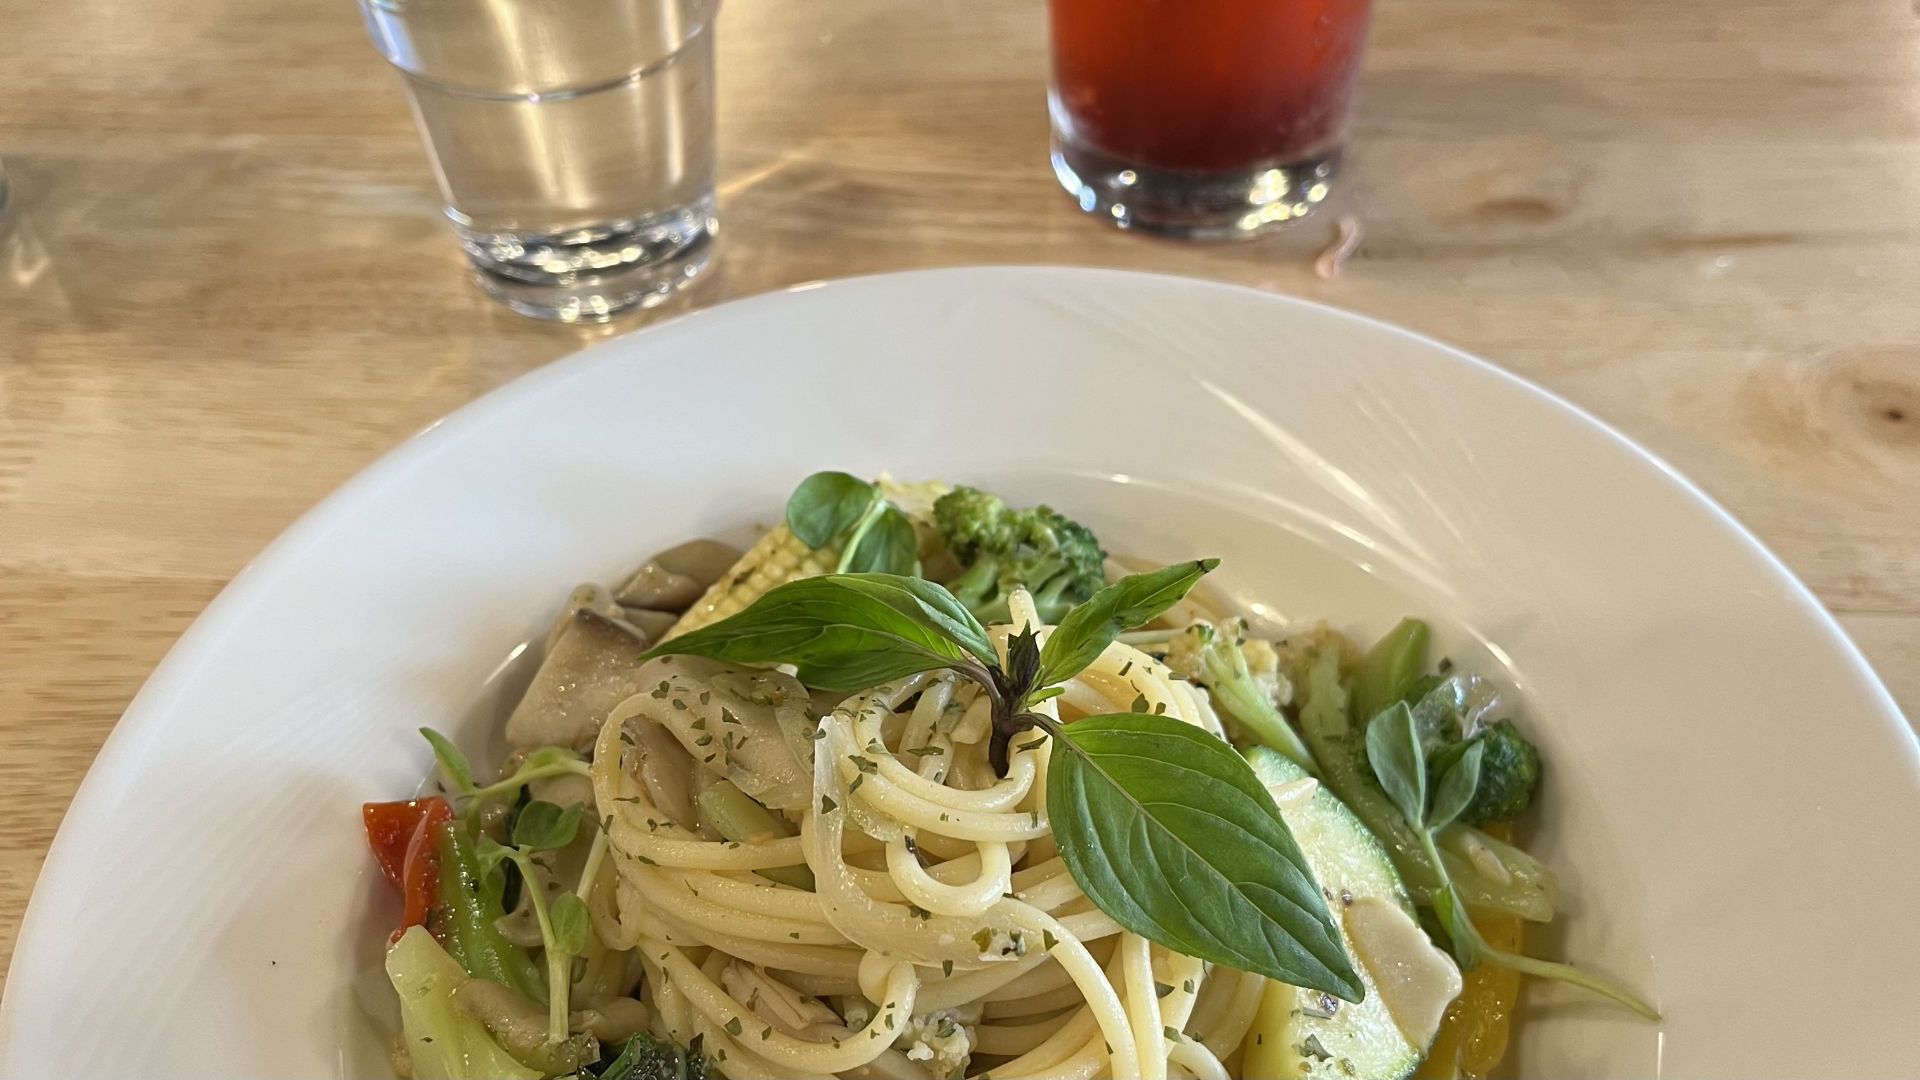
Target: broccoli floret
(1000,548)
(1242,677)
(1509,774)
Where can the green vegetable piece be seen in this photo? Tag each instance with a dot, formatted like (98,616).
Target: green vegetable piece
(1167,830)
(1212,656)
(846,632)
(734,814)
(542,826)
(1509,774)
(443,1042)
(470,908)
(645,1057)
(1391,668)
(1135,600)
(827,504)
(1001,548)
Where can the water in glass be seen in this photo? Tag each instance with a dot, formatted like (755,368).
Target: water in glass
(573,141)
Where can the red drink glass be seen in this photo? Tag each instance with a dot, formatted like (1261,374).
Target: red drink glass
(1207,119)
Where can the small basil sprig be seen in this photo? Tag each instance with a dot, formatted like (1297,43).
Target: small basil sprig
(457,772)
(1399,761)
(847,632)
(876,537)
(1164,826)
(542,826)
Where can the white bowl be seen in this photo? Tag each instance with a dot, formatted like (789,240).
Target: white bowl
(1724,772)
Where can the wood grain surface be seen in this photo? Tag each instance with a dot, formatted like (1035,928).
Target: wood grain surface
(230,286)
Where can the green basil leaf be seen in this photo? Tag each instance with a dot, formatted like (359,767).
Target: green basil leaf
(1168,831)
(925,600)
(889,546)
(542,826)
(827,504)
(846,632)
(453,764)
(1393,749)
(568,916)
(1457,786)
(1133,601)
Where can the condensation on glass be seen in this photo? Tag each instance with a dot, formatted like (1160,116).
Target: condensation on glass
(572,139)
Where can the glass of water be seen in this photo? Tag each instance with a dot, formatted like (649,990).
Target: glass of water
(573,141)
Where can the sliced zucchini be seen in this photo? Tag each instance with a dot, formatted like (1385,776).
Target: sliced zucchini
(1305,1033)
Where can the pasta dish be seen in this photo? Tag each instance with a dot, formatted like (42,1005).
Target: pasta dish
(925,786)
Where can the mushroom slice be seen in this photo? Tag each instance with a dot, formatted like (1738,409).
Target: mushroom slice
(730,720)
(589,668)
(675,578)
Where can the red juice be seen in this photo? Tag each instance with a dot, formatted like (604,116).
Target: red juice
(1207,86)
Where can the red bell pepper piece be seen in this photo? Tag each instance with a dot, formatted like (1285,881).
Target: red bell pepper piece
(403,836)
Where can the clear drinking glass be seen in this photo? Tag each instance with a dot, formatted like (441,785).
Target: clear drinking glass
(1204,119)
(573,141)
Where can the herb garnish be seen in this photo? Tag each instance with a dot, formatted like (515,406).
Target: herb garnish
(876,537)
(1164,826)
(1399,760)
(457,772)
(542,826)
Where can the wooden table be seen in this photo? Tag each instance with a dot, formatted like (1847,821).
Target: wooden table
(233,289)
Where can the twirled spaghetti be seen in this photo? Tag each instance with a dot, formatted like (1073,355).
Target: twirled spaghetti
(923,936)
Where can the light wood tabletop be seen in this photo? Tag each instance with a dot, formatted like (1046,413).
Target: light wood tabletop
(231,287)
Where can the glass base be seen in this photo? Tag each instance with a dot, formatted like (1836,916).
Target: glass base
(1193,206)
(592,274)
